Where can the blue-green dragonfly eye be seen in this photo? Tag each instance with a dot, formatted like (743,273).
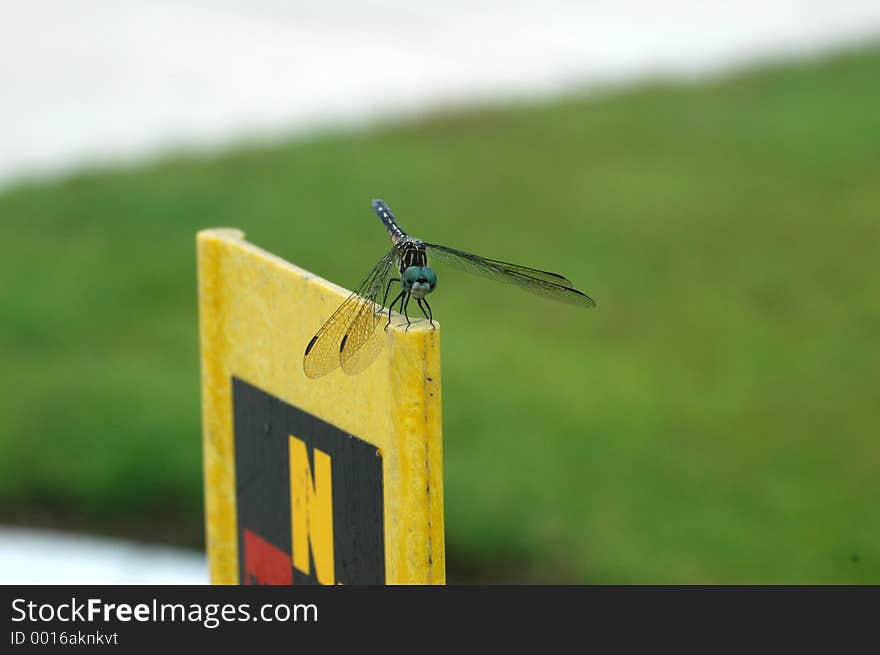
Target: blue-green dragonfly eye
(411,275)
(421,279)
(429,276)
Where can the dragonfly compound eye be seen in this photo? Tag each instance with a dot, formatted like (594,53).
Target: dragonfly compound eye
(410,276)
(429,277)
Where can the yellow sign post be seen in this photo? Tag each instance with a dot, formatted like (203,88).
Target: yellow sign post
(336,480)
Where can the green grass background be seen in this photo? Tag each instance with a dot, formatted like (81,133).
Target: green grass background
(715,420)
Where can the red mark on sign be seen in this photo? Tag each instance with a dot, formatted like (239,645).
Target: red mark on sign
(265,564)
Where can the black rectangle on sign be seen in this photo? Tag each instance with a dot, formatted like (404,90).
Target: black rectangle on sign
(269,434)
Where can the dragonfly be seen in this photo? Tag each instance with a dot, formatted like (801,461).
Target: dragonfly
(349,337)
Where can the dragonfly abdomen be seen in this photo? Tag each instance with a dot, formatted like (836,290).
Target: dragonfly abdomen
(394,230)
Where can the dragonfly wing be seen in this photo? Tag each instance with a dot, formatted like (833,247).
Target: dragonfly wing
(542,283)
(362,343)
(350,326)
(547,276)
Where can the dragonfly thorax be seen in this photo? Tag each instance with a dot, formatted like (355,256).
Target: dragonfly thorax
(411,253)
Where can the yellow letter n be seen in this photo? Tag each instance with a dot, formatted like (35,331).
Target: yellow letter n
(311,511)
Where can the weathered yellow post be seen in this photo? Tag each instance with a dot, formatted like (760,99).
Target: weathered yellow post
(336,480)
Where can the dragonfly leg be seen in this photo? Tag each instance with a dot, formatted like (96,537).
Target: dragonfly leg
(405,303)
(396,298)
(428,314)
(388,288)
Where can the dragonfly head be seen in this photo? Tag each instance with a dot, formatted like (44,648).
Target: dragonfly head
(419,280)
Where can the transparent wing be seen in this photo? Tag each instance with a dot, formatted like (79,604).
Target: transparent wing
(543,283)
(351,327)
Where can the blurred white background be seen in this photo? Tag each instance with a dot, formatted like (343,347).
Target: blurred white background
(38,557)
(86,80)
